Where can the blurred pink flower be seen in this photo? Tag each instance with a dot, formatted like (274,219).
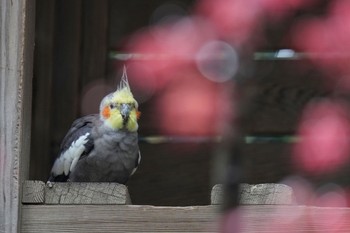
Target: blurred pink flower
(166,49)
(324,132)
(164,52)
(231,19)
(276,9)
(239,20)
(193,105)
(327,40)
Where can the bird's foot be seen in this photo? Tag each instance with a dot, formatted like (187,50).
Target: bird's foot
(49,184)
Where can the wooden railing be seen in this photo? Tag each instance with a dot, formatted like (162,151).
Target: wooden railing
(106,207)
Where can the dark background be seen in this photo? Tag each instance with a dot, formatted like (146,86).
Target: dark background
(73,71)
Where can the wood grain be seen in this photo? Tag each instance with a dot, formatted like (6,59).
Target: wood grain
(35,192)
(259,194)
(245,219)
(112,218)
(16,49)
(293,219)
(86,193)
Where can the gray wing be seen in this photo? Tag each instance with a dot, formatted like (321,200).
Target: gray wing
(77,143)
(137,163)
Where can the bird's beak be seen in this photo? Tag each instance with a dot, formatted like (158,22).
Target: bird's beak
(125,111)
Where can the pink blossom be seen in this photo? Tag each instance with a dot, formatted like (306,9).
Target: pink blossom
(327,41)
(232,19)
(168,48)
(192,105)
(324,132)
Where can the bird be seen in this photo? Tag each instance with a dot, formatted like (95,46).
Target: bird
(102,147)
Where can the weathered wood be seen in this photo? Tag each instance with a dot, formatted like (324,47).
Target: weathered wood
(266,194)
(296,219)
(16,49)
(217,194)
(245,219)
(35,192)
(86,193)
(111,218)
(259,194)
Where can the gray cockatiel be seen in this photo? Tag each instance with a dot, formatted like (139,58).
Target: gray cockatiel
(102,147)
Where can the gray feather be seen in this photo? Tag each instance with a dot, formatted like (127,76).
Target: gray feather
(109,156)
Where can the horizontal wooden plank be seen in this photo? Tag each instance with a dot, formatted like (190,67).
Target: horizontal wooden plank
(36,192)
(259,194)
(245,219)
(112,218)
(296,219)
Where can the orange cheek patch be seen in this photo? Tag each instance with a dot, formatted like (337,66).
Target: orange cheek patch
(106,113)
(138,114)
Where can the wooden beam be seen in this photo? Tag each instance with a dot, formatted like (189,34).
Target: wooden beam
(37,192)
(245,219)
(259,194)
(117,218)
(33,192)
(16,49)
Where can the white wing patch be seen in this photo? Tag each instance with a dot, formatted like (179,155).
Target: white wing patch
(69,159)
(138,162)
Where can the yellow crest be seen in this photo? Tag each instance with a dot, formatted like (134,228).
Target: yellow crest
(114,105)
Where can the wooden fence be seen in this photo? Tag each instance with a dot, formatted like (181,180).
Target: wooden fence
(106,207)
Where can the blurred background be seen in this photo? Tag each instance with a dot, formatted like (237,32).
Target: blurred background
(230,91)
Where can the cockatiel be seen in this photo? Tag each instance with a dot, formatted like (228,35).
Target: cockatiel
(102,147)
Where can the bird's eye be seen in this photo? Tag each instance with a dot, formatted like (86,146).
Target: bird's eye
(112,106)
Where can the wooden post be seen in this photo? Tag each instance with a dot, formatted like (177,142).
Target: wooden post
(16,51)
